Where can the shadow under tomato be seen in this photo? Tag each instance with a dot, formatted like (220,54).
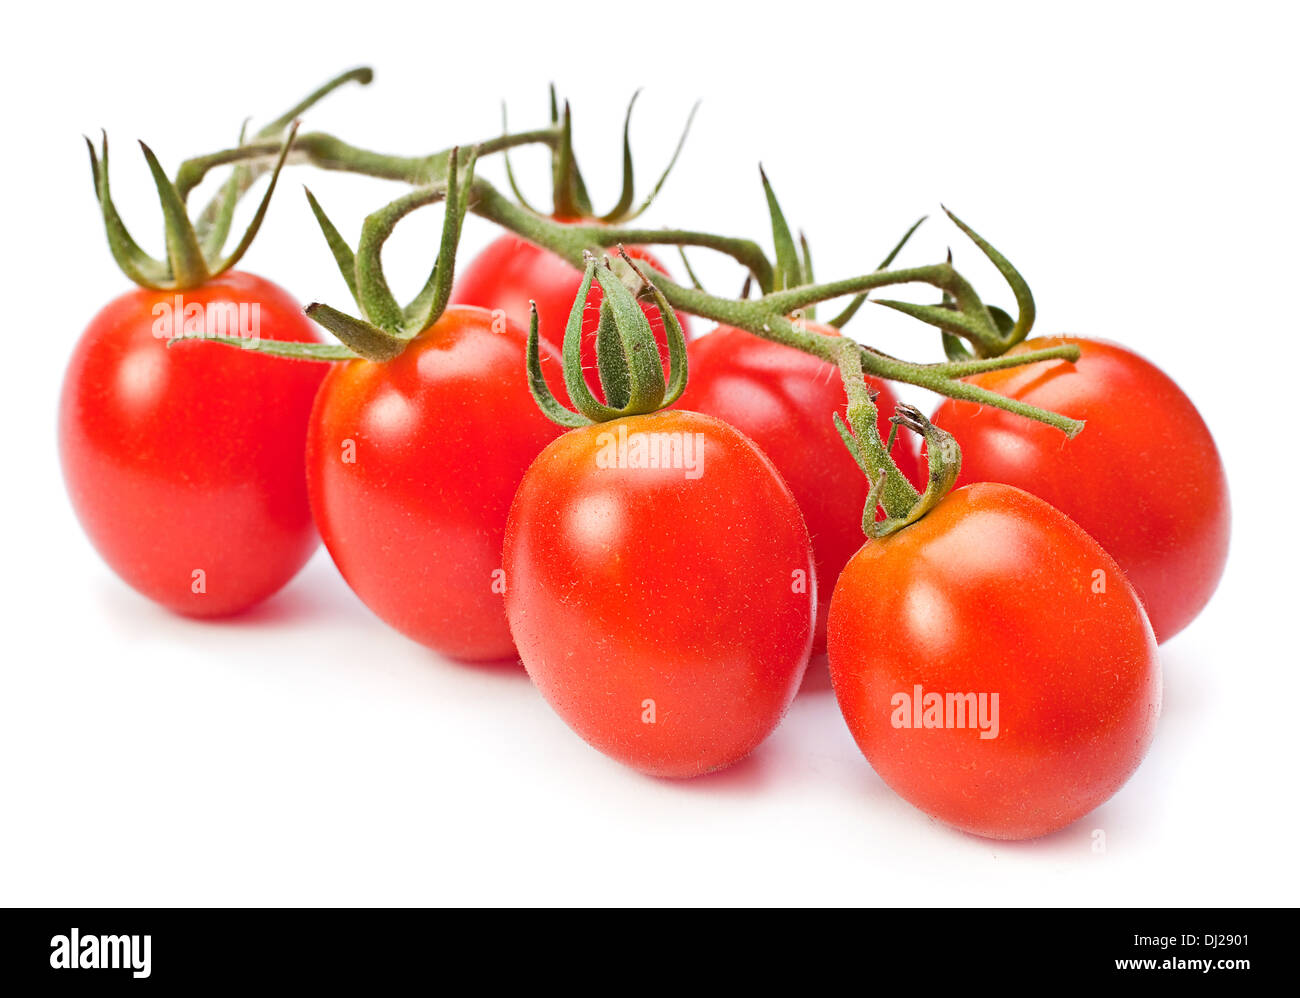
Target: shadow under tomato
(292,605)
(505,668)
(1074,840)
(817,678)
(748,775)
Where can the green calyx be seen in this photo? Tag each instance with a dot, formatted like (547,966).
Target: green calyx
(386,327)
(569,198)
(989,329)
(189,262)
(943,456)
(195,250)
(627,356)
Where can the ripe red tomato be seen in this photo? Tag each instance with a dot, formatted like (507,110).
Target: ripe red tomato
(995,594)
(512,271)
(782,399)
(184,463)
(412,465)
(1144,477)
(665,613)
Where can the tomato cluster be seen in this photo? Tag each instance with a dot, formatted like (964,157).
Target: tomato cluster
(665,573)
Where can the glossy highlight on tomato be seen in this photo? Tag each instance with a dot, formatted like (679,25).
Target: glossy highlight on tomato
(412,465)
(510,272)
(995,594)
(665,612)
(783,400)
(1143,477)
(184,463)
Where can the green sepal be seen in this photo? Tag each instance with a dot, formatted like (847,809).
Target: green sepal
(251,232)
(342,252)
(620,212)
(134,262)
(676,336)
(289,349)
(852,308)
(1025,308)
(690,272)
(431,302)
(537,386)
(788,266)
(954,348)
(570,192)
(363,338)
(611,363)
(806,272)
(185,259)
(510,173)
(213,228)
(949,320)
(1002,319)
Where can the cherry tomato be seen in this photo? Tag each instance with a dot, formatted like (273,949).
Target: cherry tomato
(412,465)
(666,612)
(1035,644)
(512,271)
(184,463)
(782,399)
(1144,477)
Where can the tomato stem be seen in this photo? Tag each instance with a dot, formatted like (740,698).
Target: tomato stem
(788,293)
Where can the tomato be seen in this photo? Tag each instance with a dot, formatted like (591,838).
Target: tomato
(1144,477)
(665,613)
(184,463)
(999,599)
(782,399)
(512,271)
(412,465)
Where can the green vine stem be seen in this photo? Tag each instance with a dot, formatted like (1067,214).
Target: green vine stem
(785,292)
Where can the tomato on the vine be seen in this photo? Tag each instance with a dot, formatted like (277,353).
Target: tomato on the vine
(661,589)
(412,464)
(783,400)
(994,664)
(511,272)
(184,462)
(1143,477)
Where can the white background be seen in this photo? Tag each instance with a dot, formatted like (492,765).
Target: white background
(1137,161)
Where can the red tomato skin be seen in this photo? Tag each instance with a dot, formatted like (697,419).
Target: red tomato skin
(188,458)
(512,271)
(638,585)
(441,436)
(1144,477)
(782,399)
(993,591)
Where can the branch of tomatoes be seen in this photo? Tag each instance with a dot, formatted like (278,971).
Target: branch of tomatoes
(788,293)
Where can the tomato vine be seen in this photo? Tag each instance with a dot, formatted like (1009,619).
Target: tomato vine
(785,291)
